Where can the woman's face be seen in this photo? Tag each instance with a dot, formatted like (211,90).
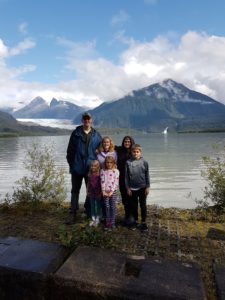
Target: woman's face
(127,143)
(106,144)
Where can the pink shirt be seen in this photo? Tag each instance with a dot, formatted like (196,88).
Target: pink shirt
(109,180)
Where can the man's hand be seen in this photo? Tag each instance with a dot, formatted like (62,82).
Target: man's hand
(147,190)
(129,192)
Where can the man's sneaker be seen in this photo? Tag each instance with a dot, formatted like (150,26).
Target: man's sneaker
(133,226)
(143,227)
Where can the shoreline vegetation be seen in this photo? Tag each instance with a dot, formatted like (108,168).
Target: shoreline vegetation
(36,130)
(186,235)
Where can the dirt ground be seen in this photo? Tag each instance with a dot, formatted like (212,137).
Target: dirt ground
(174,234)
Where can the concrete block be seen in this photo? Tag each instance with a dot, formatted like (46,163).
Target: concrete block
(25,266)
(92,273)
(220,280)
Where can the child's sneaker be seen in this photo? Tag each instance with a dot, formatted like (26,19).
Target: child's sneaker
(92,223)
(95,223)
(143,227)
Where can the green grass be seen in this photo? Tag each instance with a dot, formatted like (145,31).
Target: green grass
(193,235)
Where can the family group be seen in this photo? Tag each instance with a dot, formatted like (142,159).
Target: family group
(107,171)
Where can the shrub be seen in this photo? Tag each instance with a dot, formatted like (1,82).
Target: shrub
(214,174)
(45,182)
(84,236)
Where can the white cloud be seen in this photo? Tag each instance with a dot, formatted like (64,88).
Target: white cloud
(119,19)
(3,49)
(78,51)
(23,28)
(197,60)
(22,47)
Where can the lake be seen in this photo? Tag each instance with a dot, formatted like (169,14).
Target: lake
(175,162)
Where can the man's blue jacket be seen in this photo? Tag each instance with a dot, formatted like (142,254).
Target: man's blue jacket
(77,159)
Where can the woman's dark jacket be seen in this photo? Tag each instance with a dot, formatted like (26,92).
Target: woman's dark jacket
(79,156)
(123,154)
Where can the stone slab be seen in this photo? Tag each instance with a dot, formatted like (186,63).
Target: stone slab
(220,280)
(31,255)
(25,268)
(98,273)
(216,234)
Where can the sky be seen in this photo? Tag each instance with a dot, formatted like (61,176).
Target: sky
(92,51)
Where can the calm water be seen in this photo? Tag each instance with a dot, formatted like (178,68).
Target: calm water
(174,159)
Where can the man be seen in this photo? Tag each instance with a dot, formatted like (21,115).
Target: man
(81,150)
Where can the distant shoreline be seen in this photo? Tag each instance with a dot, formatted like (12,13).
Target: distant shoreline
(33,129)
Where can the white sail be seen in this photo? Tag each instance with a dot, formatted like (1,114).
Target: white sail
(165,130)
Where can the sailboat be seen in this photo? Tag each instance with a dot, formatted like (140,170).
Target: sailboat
(165,130)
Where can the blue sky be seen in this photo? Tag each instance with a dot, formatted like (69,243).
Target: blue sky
(90,51)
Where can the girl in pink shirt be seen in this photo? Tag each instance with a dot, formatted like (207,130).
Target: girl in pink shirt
(109,183)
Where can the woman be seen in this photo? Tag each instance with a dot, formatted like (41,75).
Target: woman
(123,154)
(105,149)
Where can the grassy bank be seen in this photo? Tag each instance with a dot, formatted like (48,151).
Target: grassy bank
(174,234)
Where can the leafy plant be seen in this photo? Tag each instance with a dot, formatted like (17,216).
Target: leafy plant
(214,174)
(45,182)
(84,235)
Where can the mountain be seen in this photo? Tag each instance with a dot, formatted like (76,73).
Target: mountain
(39,108)
(9,126)
(7,121)
(166,104)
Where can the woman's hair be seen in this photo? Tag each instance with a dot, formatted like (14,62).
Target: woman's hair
(94,162)
(126,138)
(111,147)
(110,159)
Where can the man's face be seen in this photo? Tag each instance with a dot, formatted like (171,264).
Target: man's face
(87,121)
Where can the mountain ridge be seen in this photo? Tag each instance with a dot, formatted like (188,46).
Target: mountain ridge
(166,104)
(57,109)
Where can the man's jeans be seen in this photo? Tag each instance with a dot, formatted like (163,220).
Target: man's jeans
(76,180)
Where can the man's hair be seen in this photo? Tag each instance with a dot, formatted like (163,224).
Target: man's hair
(86,115)
(136,147)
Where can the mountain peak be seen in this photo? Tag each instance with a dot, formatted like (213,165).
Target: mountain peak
(170,81)
(37,100)
(54,102)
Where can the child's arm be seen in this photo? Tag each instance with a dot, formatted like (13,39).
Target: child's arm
(115,181)
(147,178)
(102,178)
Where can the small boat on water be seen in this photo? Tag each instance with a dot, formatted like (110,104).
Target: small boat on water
(165,130)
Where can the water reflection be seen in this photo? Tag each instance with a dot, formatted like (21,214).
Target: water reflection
(174,159)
